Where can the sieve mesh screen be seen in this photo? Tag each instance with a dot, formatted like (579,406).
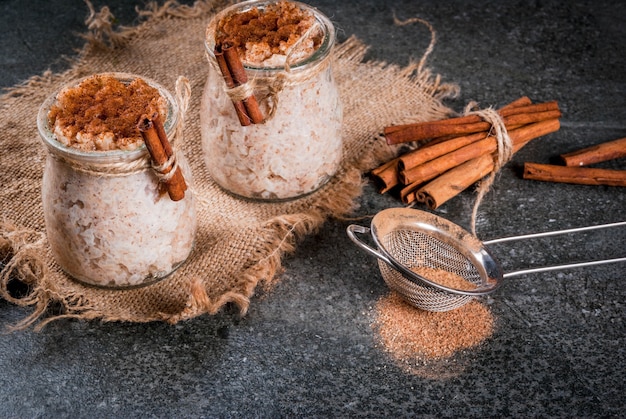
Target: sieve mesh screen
(414,249)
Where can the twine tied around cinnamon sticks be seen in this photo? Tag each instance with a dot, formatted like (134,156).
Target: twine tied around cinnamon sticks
(164,160)
(457,152)
(504,152)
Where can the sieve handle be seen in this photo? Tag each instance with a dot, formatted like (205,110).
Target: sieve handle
(353,229)
(554,233)
(561,267)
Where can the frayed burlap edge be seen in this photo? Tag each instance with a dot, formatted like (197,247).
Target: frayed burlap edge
(24,249)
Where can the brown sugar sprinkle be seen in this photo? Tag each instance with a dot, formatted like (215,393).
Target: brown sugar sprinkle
(257,34)
(101,113)
(445,278)
(411,335)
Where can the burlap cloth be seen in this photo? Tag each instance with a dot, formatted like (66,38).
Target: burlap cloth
(239,244)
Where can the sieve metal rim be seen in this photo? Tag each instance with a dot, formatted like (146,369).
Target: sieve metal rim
(441,229)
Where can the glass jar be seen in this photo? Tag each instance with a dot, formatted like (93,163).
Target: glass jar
(108,221)
(298,147)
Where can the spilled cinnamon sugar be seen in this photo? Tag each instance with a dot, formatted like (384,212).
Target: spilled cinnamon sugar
(413,337)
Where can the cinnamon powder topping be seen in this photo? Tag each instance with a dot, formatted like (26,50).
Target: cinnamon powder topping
(101,113)
(258,34)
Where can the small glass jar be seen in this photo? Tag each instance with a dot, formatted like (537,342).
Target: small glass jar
(108,221)
(298,147)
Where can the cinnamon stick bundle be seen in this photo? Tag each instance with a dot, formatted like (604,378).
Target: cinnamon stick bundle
(451,178)
(596,154)
(160,149)
(229,63)
(575,175)
(487,145)
(454,156)
(386,176)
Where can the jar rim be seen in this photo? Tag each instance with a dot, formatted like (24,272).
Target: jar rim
(49,138)
(319,54)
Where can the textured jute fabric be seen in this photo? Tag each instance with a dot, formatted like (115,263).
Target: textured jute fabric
(239,243)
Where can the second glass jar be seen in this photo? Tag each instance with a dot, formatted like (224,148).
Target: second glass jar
(298,147)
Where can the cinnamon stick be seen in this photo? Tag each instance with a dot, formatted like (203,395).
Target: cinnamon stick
(242,115)
(517,103)
(425,154)
(435,167)
(595,154)
(386,176)
(454,181)
(531,117)
(240,77)
(575,175)
(552,105)
(516,115)
(157,147)
(522,101)
(435,129)
(407,193)
(248,111)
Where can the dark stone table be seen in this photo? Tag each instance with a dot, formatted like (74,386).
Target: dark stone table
(307,347)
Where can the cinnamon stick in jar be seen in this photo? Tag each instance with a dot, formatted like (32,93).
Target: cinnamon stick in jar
(234,73)
(242,115)
(596,154)
(158,146)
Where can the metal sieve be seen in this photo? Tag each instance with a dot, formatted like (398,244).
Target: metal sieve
(408,239)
